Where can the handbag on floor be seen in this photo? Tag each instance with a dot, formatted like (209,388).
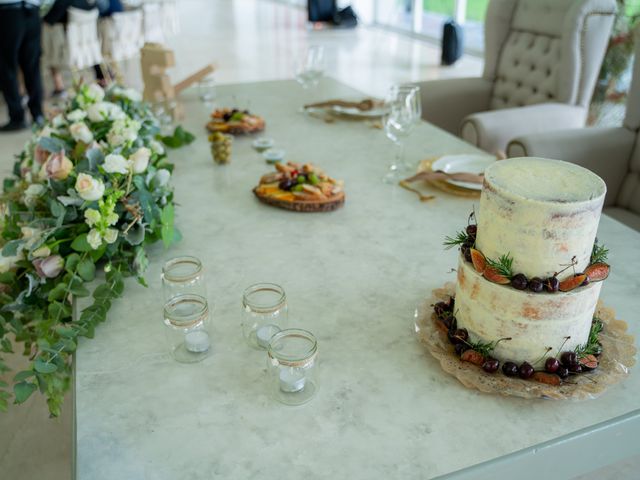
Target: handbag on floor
(451,42)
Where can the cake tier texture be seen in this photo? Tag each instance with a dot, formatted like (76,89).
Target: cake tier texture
(541,212)
(533,321)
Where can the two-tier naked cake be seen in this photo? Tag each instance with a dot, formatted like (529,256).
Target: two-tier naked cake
(528,278)
(544,214)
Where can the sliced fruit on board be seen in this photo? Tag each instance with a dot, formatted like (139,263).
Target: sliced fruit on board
(597,271)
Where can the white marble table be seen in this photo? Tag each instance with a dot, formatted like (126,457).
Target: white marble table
(353,277)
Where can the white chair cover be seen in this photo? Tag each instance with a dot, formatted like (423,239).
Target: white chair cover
(83,45)
(121,35)
(152,22)
(170,19)
(78,47)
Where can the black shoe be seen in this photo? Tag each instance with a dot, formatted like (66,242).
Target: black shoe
(13,126)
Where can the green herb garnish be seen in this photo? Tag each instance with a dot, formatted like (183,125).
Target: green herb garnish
(485,348)
(599,253)
(592,347)
(504,265)
(459,239)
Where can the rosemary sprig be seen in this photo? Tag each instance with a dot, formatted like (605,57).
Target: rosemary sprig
(485,348)
(504,265)
(592,347)
(460,238)
(599,253)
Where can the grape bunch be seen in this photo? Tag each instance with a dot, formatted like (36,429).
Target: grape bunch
(221,147)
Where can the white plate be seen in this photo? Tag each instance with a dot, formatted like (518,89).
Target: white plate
(468,163)
(356,112)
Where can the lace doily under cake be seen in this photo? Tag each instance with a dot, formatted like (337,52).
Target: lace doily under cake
(617,358)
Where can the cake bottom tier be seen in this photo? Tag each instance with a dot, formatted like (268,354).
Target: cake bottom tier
(533,321)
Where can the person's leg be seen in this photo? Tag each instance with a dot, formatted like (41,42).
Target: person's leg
(58,82)
(29,59)
(11,36)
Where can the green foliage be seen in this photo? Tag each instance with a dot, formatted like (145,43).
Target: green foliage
(179,138)
(504,265)
(55,235)
(599,253)
(592,346)
(460,238)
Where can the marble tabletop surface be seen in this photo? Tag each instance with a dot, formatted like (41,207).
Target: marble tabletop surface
(353,277)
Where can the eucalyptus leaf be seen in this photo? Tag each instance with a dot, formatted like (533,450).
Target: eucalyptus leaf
(11,248)
(80,244)
(23,391)
(44,367)
(87,270)
(93,314)
(57,209)
(72,262)
(50,144)
(23,375)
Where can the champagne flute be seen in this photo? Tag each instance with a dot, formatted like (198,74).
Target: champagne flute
(310,69)
(404,112)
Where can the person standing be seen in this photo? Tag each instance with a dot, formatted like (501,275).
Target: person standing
(20,31)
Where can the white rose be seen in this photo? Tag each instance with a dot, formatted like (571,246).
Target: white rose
(156,147)
(47,131)
(81,133)
(104,110)
(115,112)
(114,163)
(140,160)
(89,188)
(29,233)
(95,93)
(94,239)
(58,121)
(111,235)
(76,115)
(92,216)
(132,94)
(161,178)
(98,112)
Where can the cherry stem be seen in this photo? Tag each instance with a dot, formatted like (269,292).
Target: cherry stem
(566,339)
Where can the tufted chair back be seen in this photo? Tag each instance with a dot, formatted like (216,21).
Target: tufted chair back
(540,51)
(629,193)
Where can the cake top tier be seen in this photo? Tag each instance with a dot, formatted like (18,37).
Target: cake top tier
(542,213)
(544,180)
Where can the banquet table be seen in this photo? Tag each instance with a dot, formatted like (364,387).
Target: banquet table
(354,278)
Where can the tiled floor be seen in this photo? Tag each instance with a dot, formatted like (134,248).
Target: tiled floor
(249,40)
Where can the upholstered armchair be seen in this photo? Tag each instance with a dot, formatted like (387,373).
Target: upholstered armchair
(542,59)
(612,153)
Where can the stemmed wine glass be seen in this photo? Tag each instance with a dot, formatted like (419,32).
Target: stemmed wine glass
(310,69)
(404,111)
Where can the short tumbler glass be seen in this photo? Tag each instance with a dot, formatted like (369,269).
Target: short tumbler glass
(183,275)
(187,331)
(292,366)
(264,313)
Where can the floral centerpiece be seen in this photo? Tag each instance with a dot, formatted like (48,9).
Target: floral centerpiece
(91,188)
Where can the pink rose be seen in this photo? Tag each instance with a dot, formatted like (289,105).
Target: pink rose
(49,267)
(40,154)
(58,166)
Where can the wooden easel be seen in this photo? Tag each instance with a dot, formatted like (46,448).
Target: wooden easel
(154,61)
